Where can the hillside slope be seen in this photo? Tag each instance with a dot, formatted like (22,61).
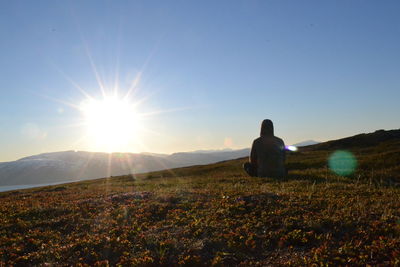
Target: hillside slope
(213,215)
(360,140)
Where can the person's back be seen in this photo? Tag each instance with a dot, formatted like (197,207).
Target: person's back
(267,157)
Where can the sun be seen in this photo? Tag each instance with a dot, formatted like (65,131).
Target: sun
(112,123)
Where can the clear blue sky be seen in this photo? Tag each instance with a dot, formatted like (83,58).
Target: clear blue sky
(319,69)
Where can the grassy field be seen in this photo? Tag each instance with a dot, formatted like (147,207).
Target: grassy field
(214,215)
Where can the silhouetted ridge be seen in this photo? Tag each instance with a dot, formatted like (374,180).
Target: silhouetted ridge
(359,141)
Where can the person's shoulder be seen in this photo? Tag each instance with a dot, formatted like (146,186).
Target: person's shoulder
(279,139)
(257,140)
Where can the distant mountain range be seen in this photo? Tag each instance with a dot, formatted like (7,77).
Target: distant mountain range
(80,165)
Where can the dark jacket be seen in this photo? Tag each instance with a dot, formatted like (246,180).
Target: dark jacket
(268,153)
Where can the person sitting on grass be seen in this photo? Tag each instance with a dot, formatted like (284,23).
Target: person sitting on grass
(267,156)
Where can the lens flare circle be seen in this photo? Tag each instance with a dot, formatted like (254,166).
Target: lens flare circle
(111,122)
(342,162)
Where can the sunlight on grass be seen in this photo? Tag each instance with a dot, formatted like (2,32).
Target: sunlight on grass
(210,215)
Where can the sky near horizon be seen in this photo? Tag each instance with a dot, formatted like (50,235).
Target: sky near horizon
(203,74)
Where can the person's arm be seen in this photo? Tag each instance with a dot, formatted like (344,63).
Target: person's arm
(253,155)
(283,151)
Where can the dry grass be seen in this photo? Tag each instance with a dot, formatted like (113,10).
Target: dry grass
(213,215)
